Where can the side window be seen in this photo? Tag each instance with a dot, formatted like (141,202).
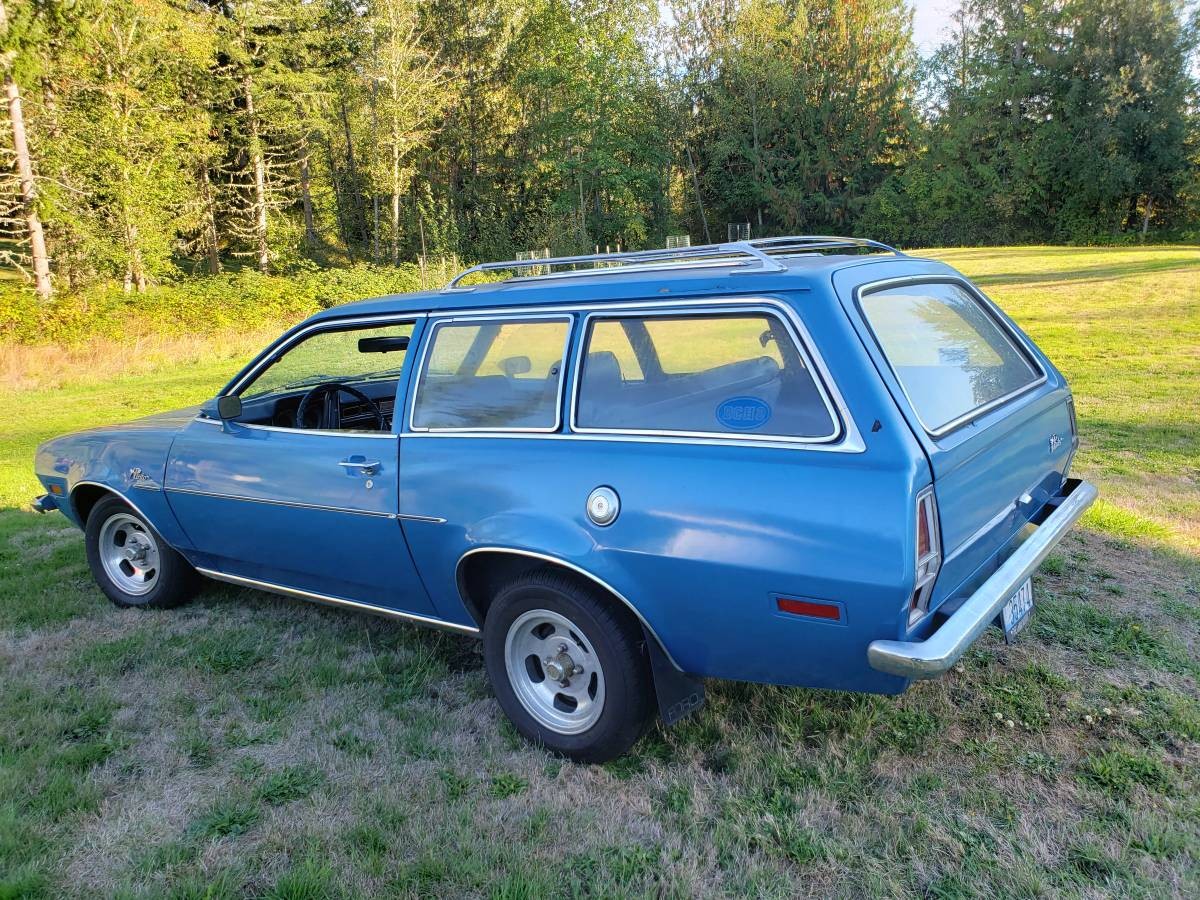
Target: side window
(714,373)
(492,376)
(335,355)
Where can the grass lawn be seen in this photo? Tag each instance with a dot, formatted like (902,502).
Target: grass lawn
(246,744)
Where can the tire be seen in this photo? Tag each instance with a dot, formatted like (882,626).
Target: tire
(159,578)
(547,616)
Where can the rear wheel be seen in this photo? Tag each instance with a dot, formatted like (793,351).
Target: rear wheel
(131,562)
(568,668)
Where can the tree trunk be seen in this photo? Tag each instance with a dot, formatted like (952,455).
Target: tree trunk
(352,170)
(260,180)
(1149,211)
(33,223)
(211,238)
(395,235)
(699,199)
(310,230)
(338,205)
(135,268)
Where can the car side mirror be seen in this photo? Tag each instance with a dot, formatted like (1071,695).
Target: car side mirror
(229,407)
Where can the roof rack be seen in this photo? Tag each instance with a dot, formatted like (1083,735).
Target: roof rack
(747,257)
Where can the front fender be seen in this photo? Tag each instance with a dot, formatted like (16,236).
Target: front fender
(130,464)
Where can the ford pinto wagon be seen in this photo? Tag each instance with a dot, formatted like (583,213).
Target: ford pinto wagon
(806,461)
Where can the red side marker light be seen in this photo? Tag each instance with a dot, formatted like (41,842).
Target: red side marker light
(809,608)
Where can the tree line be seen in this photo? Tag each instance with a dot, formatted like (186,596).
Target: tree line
(150,139)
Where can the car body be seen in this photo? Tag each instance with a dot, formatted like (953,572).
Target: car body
(814,462)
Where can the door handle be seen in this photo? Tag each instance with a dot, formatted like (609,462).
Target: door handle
(366,466)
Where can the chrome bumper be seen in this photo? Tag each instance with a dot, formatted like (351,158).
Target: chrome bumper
(44,503)
(942,649)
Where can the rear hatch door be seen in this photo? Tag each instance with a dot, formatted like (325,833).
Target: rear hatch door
(990,411)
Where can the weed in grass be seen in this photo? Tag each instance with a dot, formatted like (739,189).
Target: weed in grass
(1102,635)
(247,768)
(1054,565)
(1109,518)
(224,885)
(368,843)
(311,879)
(534,828)
(1182,609)
(1092,862)
(289,784)
(1159,840)
(507,785)
(1042,765)
(223,653)
(621,866)
(423,877)
(353,745)
(197,747)
(456,785)
(1116,772)
(909,730)
(1155,714)
(225,818)
(678,800)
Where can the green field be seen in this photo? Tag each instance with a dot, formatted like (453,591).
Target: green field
(250,745)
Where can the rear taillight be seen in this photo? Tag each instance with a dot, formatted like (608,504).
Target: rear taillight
(1074,424)
(929,554)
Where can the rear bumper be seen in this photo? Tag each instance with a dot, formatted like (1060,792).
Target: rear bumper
(942,649)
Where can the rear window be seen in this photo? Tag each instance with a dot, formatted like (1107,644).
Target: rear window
(717,373)
(492,376)
(949,353)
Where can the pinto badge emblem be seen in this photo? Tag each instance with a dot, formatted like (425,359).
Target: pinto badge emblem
(139,479)
(1055,440)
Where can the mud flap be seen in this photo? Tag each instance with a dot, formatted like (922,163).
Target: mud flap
(679,694)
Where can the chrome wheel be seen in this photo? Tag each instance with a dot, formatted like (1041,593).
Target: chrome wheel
(129,554)
(554,671)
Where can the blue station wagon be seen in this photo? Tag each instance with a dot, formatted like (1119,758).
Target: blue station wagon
(808,461)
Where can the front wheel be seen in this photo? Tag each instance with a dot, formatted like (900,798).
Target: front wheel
(131,562)
(568,667)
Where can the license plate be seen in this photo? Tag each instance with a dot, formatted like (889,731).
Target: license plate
(1017,611)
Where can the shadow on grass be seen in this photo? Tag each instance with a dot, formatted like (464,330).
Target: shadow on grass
(1089,274)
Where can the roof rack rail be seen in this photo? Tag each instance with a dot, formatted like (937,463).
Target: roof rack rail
(747,257)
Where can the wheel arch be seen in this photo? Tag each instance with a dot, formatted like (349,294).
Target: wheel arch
(482,569)
(86,494)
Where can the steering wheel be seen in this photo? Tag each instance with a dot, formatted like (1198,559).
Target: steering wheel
(331,410)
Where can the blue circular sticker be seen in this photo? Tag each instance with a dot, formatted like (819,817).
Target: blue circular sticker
(744,413)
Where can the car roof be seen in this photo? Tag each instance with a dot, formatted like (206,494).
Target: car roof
(800,272)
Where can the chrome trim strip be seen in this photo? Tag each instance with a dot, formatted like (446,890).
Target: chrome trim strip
(705,309)
(851,441)
(108,487)
(200,417)
(994,313)
(942,649)
(410,517)
(430,621)
(332,324)
(545,557)
(292,503)
(450,318)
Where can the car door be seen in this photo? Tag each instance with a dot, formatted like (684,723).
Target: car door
(309,509)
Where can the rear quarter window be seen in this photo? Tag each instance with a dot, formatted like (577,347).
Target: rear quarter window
(950,354)
(700,373)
